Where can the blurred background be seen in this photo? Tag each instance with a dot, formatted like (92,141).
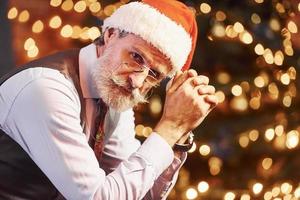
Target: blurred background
(248,147)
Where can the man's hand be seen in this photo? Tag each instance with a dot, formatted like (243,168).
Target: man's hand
(189,99)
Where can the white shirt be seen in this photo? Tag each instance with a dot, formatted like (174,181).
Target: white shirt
(40,109)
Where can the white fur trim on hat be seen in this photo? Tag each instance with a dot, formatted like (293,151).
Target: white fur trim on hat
(149,23)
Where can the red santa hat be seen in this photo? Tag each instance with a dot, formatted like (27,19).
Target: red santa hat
(168,25)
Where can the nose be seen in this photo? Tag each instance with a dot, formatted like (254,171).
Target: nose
(137,79)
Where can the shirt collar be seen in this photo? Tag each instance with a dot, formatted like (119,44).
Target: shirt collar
(87,60)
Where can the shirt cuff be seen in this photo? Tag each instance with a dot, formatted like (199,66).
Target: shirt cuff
(157,152)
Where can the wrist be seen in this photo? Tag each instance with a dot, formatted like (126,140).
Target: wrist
(169,131)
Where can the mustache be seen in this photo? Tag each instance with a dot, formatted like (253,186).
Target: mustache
(137,96)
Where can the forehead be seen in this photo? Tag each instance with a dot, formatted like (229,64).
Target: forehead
(152,54)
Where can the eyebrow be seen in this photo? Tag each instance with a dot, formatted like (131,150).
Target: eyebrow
(148,60)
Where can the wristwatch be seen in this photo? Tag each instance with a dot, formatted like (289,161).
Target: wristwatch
(186,146)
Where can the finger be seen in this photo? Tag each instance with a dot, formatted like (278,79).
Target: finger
(205,89)
(192,73)
(180,79)
(200,80)
(212,100)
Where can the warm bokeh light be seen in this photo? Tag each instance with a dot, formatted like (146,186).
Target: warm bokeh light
(205,8)
(221,96)
(29,44)
(268,195)
(223,77)
(95,7)
(259,1)
(109,10)
(292,140)
(67,5)
(66,31)
(292,26)
(94,33)
(255,103)
(286,188)
(267,163)
(239,103)
(33,52)
(220,16)
(275,24)
(55,22)
(80,6)
(218,30)
(238,27)
(236,90)
(12,13)
(204,150)
(55,3)
(246,37)
(38,26)
(245,197)
(139,130)
(275,191)
(255,18)
(259,81)
(253,135)
(259,49)
(257,188)
(155,104)
(203,187)
(269,134)
(24,16)
(279,129)
(229,196)
(285,79)
(191,193)
(244,140)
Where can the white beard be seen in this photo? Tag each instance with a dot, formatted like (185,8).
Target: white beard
(114,91)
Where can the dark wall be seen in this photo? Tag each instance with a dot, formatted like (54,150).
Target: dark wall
(6,57)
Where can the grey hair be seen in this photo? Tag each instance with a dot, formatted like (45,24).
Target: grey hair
(100,40)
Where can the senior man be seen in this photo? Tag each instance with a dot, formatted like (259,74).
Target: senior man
(67,124)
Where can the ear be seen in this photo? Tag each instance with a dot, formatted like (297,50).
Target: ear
(110,35)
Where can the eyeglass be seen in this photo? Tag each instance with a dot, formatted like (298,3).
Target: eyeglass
(137,62)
